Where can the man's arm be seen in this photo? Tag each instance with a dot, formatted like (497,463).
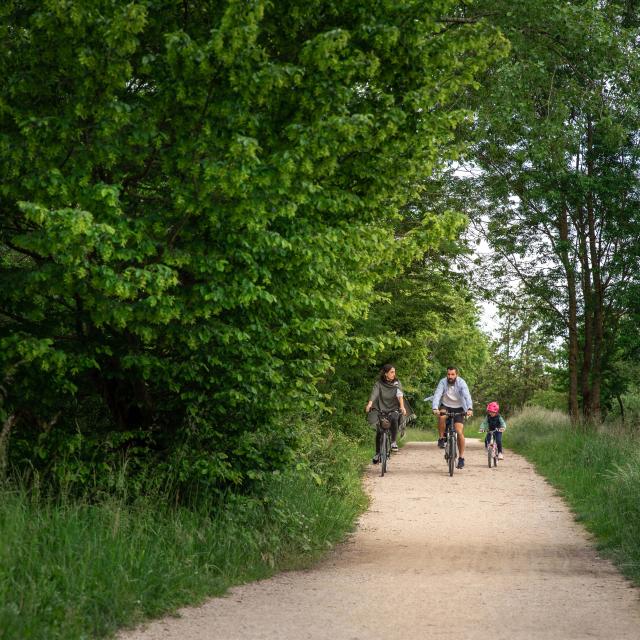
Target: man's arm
(466,395)
(435,402)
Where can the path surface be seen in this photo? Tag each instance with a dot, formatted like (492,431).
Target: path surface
(418,567)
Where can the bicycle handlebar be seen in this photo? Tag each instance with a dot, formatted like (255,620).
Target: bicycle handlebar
(449,413)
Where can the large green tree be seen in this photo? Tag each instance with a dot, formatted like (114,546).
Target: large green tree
(196,201)
(556,182)
(426,318)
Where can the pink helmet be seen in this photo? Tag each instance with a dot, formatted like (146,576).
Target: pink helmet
(493,406)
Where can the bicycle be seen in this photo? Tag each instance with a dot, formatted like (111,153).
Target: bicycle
(451,439)
(383,427)
(492,448)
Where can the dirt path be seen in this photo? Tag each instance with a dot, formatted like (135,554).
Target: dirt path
(419,566)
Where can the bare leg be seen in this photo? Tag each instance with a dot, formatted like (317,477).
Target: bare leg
(460,429)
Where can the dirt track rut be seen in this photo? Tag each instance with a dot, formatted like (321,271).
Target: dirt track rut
(489,553)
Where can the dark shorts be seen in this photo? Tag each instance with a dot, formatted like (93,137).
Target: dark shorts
(459,411)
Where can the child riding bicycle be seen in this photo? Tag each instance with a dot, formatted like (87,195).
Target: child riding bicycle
(493,422)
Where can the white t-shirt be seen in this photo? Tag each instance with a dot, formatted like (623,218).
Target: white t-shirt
(451,398)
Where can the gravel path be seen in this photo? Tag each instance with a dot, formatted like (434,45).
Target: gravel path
(489,553)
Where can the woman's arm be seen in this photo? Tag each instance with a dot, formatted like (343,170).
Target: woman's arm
(375,392)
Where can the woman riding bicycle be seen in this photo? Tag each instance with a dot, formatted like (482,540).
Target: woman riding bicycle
(386,397)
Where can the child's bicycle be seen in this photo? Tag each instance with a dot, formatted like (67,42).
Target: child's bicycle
(492,447)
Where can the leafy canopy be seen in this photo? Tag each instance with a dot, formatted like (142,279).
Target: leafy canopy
(197,201)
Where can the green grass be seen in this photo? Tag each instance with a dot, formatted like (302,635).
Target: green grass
(430,433)
(420,435)
(73,570)
(596,470)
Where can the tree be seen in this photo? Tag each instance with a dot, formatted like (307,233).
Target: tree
(522,357)
(426,318)
(197,199)
(557,129)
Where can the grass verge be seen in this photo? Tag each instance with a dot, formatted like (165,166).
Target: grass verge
(70,570)
(597,472)
(430,433)
(416,434)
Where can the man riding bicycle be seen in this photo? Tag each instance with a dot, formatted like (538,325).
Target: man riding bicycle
(452,394)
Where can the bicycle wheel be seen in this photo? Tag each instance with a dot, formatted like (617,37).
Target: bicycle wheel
(495,455)
(490,453)
(383,454)
(452,454)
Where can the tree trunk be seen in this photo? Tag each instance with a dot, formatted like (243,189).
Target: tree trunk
(598,302)
(4,444)
(572,320)
(587,297)
(619,398)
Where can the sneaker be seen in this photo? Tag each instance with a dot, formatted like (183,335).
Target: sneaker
(500,456)
(441,442)
(376,459)
(460,463)
(394,446)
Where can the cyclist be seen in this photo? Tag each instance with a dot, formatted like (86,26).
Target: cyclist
(386,396)
(493,422)
(452,394)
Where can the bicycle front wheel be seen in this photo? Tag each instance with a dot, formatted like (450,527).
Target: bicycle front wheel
(453,454)
(383,453)
(490,455)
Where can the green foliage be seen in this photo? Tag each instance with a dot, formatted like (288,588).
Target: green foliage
(198,200)
(519,369)
(555,180)
(425,318)
(548,399)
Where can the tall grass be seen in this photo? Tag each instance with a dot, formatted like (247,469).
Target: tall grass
(72,569)
(597,470)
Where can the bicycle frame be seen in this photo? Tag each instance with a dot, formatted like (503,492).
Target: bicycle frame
(451,435)
(385,443)
(492,448)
